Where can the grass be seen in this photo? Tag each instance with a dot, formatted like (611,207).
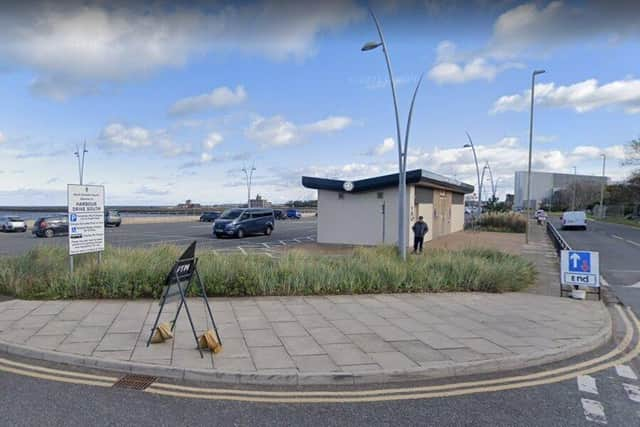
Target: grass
(504,222)
(138,273)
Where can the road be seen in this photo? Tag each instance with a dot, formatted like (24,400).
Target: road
(608,394)
(619,248)
(179,233)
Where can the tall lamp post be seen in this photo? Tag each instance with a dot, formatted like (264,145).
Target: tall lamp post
(402,151)
(80,155)
(573,199)
(475,159)
(533,81)
(249,175)
(604,159)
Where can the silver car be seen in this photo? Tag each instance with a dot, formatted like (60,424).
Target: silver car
(12,223)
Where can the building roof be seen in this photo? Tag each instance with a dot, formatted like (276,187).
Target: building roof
(418,176)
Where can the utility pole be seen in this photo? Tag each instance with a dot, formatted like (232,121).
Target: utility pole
(604,159)
(80,155)
(249,175)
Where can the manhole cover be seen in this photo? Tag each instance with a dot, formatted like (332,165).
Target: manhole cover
(135,382)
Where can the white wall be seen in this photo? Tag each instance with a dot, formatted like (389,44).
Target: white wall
(457,218)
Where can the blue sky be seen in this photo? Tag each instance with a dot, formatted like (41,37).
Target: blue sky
(174,100)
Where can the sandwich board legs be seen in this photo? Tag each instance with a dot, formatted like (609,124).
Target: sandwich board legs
(186,308)
(206,302)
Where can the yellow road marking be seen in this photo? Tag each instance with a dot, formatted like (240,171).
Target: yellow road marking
(56,371)
(57,378)
(619,348)
(411,396)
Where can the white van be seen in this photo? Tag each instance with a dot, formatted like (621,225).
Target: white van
(574,219)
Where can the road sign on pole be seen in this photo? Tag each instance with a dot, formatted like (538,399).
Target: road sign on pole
(580,268)
(86,218)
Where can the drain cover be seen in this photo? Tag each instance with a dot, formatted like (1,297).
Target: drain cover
(135,382)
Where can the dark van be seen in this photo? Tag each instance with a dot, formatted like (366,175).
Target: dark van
(50,226)
(240,222)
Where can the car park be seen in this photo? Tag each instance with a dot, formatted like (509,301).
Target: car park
(294,214)
(50,226)
(13,223)
(574,219)
(241,222)
(112,218)
(209,216)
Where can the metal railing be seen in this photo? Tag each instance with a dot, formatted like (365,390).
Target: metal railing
(558,242)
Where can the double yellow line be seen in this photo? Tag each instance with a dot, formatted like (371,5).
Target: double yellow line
(614,357)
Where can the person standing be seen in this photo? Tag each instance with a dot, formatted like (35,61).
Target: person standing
(420,229)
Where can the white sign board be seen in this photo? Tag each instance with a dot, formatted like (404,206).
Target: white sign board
(86,218)
(580,268)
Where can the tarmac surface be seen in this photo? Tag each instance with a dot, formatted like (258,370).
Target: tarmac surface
(287,232)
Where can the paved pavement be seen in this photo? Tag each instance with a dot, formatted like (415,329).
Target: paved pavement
(287,232)
(324,339)
(619,248)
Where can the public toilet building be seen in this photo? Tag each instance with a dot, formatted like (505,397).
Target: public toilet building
(365,212)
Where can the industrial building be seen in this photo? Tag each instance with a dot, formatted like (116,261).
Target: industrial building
(544,184)
(365,212)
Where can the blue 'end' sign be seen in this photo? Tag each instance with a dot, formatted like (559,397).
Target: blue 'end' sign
(579,262)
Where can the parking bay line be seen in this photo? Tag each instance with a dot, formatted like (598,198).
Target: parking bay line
(633,243)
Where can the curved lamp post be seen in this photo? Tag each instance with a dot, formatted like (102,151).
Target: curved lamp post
(249,175)
(475,158)
(533,80)
(402,150)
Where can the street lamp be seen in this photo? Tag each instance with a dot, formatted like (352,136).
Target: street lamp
(604,159)
(402,151)
(533,80)
(475,159)
(78,154)
(573,199)
(249,175)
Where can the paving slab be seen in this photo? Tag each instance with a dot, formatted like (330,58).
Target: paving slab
(314,340)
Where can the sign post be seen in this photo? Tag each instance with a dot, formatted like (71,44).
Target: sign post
(176,287)
(85,205)
(580,268)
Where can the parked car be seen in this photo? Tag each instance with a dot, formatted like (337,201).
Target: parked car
(13,223)
(279,214)
(112,217)
(240,222)
(50,226)
(574,219)
(209,216)
(294,214)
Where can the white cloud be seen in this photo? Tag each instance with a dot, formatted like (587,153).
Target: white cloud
(213,139)
(452,67)
(583,96)
(206,157)
(74,46)
(330,124)
(2,138)
(117,136)
(218,98)
(614,152)
(387,145)
(508,141)
(276,131)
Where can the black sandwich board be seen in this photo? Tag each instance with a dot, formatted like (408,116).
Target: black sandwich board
(176,287)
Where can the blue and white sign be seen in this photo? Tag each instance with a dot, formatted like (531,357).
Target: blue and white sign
(86,218)
(580,268)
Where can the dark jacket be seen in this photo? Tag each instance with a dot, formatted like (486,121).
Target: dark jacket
(420,228)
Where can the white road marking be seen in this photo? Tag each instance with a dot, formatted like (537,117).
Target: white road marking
(617,237)
(633,243)
(587,384)
(283,243)
(633,392)
(242,250)
(266,245)
(625,371)
(297,240)
(594,411)
(635,285)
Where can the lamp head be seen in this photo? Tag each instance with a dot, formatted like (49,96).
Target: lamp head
(536,72)
(370,46)
(466,146)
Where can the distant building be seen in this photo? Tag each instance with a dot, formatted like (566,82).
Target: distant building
(508,201)
(545,184)
(259,202)
(188,205)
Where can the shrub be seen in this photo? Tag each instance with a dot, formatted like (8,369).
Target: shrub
(135,273)
(507,222)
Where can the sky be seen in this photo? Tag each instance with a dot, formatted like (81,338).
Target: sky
(174,100)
